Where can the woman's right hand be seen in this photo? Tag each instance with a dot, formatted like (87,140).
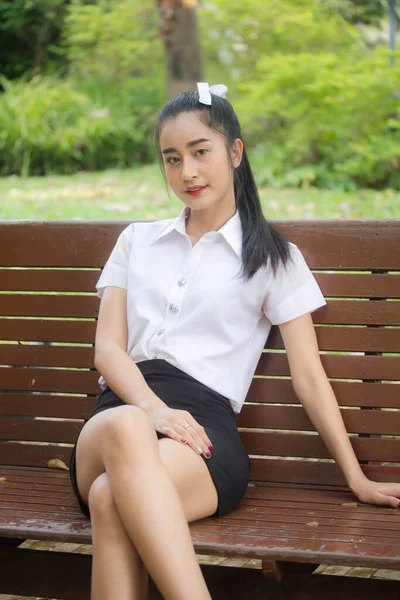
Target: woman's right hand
(171,421)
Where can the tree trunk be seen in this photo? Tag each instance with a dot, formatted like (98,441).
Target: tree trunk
(180,34)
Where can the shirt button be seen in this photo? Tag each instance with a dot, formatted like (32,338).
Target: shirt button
(182,281)
(161,331)
(173,308)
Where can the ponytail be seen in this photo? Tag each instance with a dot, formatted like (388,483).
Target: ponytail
(261,241)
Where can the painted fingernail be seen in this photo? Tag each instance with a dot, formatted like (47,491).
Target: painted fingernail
(211,448)
(207,454)
(183,441)
(398,506)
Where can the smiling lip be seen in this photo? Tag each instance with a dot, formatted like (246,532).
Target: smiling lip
(195,190)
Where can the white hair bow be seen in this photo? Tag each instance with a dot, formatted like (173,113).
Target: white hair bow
(205,91)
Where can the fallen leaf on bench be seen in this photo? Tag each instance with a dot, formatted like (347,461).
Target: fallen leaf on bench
(313,524)
(4,479)
(56,463)
(353,504)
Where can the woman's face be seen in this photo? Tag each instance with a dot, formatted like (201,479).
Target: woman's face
(196,161)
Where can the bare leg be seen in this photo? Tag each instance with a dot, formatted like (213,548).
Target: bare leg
(157,525)
(117,570)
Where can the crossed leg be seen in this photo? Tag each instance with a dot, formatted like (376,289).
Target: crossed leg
(142,493)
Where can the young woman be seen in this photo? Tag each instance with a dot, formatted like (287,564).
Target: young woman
(186,307)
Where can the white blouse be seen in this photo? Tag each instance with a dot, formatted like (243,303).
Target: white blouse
(189,306)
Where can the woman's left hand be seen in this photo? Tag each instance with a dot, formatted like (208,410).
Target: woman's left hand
(373,492)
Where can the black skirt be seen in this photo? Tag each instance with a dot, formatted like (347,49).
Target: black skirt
(229,465)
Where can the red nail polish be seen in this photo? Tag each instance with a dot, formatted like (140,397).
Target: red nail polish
(183,441)
(208,454)
(398,506)
(211,448)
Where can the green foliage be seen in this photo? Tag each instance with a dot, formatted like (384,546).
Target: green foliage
(113,39)
(50,126)
(236,34)
(326,119)
(367,12)
(30,34)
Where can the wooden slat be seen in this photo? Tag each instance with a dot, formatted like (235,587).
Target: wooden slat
(295,418)
(44,305)
(311,446)
(57,244)
(48,280)
(49,380)
(350,312)
(339,366)
(32,455)
(303,472)
(262,443)
(358,312)
(39,430)
(353,285)
(40,330)
(46,405)
(339,285)
(348,393)
(354,339)
(46,356)
(350,244)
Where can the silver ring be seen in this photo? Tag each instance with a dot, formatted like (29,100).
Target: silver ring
(186,426)
(199,449)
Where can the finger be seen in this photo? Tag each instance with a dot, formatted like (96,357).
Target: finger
(201,432)
(175,435)
(196,442)
(388,501)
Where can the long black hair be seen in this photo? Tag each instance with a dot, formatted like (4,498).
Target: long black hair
(261,241)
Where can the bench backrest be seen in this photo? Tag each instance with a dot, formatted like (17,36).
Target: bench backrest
(47,325)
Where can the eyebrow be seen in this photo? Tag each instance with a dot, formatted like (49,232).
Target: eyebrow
(188,145)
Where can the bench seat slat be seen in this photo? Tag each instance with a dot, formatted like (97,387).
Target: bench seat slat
(50,280)
(262,391)
(251,530)
(45,305)
(363,285)
(263,469)
(270,364)
(340,366)
(26,355)
(337,312)
(342,338)
(351,244)
(294,418)
(46,405)
(268,443)
(336,285)
(40,330)
(49,380)
(348,393)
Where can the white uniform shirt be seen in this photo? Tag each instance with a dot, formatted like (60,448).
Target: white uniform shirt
(188,305)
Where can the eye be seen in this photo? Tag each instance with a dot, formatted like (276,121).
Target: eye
(202,151)
(172,160)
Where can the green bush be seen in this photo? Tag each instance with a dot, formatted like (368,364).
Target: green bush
(50,126)
(327,120)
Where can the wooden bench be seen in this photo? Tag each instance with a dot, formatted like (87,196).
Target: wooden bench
(297,512)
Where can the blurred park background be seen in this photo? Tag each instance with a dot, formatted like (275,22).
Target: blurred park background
(315,83)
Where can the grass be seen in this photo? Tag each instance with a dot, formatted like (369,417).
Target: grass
(141,194)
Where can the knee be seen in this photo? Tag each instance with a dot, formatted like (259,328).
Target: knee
(101,501)
(127,425)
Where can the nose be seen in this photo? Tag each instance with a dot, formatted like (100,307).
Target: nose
(189,169)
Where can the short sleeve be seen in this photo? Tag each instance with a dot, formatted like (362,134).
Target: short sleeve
(293,292)
(115,272)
